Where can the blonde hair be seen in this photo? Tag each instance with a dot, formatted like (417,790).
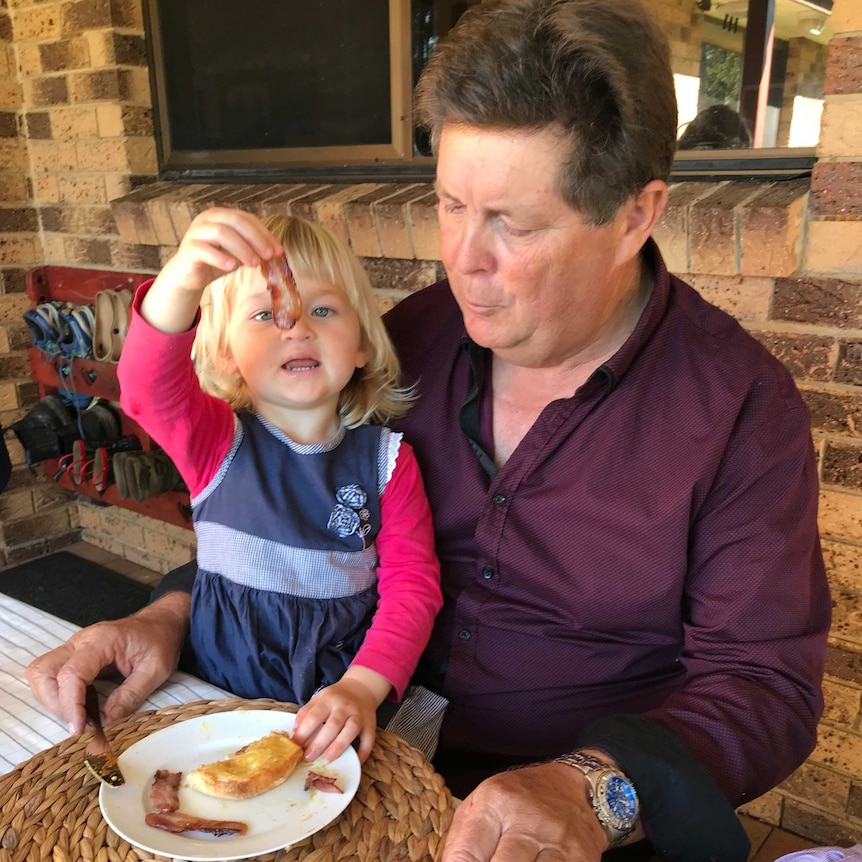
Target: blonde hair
(373,393)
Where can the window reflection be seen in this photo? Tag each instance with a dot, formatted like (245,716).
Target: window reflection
(720,49)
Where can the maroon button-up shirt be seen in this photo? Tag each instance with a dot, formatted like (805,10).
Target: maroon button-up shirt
(650,547)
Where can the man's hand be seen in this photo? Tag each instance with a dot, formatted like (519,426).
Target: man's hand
(535,813)
(144,648)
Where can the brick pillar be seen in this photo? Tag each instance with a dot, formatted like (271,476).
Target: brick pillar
(822,800)
(20,249)
(89,123)
(834,243)
(19,225)
(75,133)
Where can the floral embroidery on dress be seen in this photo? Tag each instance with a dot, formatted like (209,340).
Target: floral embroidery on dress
(350,517)
(352,495)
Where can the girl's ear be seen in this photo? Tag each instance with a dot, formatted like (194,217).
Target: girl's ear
(226,362)
(363,354)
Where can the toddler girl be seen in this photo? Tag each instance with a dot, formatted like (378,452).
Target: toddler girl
(317,580)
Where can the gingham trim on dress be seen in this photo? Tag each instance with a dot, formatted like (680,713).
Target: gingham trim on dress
(390,443)
(225,465)
(267,565)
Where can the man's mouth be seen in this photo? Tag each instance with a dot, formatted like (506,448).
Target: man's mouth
(480,309)
(479,304)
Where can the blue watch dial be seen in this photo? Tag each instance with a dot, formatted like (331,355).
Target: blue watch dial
(621,798)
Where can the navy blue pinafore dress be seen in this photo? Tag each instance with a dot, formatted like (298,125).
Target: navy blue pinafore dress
(286,584)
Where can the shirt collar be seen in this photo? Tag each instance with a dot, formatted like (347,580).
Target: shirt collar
(651,316)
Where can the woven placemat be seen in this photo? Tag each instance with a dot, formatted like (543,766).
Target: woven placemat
(50,804)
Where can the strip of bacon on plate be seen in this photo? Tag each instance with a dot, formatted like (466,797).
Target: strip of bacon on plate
(323,783)
(165,792)
(177,822)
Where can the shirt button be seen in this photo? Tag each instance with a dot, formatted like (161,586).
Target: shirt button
(464,634)
(499,499)
(487,574)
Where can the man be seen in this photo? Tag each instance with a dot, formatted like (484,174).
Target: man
(622,480)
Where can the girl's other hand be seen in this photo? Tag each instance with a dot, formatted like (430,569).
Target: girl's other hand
(340,713)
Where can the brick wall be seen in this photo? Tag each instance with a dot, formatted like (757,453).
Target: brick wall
(75,132)
(76,187)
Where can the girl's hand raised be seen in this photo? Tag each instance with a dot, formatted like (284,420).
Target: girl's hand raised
(218,241)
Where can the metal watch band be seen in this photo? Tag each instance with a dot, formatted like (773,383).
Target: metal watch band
(597,773)
(584,762)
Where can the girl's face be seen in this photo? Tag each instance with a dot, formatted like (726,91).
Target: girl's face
(296,375)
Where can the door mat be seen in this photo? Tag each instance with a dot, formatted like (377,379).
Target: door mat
(74,589)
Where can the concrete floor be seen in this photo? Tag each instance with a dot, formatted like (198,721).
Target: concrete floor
(768,843)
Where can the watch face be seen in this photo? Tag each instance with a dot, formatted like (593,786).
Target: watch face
(620,800)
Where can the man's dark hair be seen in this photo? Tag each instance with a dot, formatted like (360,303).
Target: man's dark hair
(596,70)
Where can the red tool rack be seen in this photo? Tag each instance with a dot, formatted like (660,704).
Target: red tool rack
(98,379)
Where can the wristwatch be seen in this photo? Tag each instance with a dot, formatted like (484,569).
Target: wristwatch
(611,794)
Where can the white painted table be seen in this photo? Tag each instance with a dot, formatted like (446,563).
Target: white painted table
(26,727)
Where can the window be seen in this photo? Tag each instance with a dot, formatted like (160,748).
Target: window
(321,89)
(749,78)
(306,89)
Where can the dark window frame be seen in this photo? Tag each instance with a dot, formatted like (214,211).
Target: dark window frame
(262,164)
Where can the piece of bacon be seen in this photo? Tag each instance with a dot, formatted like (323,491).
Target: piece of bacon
(286,301)
(323,783)
(177,822)
(165,792)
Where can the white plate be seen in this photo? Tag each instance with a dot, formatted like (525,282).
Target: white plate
(280,817)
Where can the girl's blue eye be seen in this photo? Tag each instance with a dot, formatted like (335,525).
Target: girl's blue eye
(322,312)
(263,315)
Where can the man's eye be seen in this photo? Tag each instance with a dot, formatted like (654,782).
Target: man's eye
(452,208)
(513,230)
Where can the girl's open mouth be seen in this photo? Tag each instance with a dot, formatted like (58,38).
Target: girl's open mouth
(303,364)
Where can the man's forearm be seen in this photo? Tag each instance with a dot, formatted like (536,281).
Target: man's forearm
(179,580)
(176,603)
(684,813)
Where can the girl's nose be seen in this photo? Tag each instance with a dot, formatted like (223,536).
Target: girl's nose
(302,329)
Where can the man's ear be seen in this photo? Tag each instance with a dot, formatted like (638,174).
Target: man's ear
(637,218)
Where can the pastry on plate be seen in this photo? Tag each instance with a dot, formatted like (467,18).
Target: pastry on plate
(254,769)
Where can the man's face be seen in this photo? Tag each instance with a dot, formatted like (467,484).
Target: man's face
(535,282)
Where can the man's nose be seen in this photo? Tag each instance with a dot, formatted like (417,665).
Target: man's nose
(472,249)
